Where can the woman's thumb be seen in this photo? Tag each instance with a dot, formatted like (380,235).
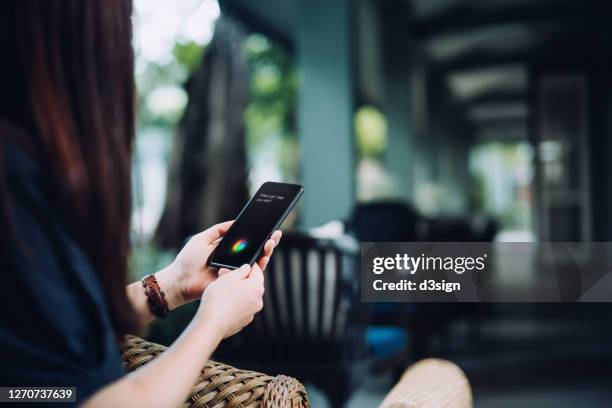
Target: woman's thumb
(224,271)
(241,272)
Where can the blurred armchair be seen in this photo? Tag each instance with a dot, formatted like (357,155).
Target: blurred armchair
(433,319)
(312,326)
(387,221)
(384,221)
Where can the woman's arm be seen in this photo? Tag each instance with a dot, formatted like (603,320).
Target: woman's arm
(165,381)
(227,306)
(167,280)
(189,275)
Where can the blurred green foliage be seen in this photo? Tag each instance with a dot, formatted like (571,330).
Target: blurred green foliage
(271,110)
(370,132)
(161,95)
(189,55)
(146,259)
(501,178)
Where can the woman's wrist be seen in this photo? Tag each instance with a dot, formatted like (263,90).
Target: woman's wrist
(169,283)
(205,324)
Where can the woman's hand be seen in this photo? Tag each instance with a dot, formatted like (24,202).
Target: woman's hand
(230,299)
(230,302)
(189,275)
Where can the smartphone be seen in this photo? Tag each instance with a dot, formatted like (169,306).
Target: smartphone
(263,214)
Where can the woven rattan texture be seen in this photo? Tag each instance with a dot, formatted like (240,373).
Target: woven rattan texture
(431,383)
(223,386)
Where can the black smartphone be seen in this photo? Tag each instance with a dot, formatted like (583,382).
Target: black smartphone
(263,214)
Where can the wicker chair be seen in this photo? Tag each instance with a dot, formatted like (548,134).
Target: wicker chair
(430,383)
(222,386)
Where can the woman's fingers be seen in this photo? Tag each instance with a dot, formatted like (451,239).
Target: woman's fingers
(276,237)
(239,273)
(267,253)
(256,274)
(268,247)
(217,231)
(263,262)
(272,243)
(242,272)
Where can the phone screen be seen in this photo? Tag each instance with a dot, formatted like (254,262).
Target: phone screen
(263,214)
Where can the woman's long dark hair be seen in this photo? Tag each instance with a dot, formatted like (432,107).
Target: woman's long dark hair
(68,79)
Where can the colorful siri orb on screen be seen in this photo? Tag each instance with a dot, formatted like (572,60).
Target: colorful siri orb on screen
(239,245)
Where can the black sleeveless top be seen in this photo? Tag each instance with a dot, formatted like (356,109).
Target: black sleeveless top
(55,327)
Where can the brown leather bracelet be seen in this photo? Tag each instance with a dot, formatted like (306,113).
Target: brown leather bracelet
(155,297)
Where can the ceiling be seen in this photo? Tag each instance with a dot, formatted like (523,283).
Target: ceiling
(480,50)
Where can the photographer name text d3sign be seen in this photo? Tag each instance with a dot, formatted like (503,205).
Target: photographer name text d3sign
(486,272)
